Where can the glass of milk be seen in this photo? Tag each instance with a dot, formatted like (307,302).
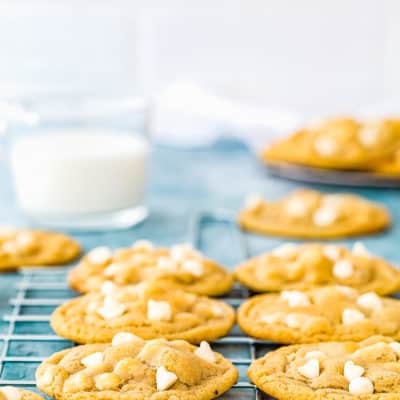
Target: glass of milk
(84,175)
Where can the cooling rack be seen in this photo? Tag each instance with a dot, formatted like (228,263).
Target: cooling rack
(28,339)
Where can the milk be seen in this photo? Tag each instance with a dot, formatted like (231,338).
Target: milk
(76,172)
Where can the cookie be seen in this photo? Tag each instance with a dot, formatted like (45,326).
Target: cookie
(134,369)
(300,267)
(310,214)
(13,393)
(367,370)
(389,167)
(146,310)
(24,247)
(180,267)
(342,143)
(332,313)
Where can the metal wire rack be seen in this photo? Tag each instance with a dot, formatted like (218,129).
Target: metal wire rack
(28,339)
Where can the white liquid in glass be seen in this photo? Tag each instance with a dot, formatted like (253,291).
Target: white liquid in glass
(79,172)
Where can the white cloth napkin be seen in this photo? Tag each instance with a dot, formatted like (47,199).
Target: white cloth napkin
(186,114)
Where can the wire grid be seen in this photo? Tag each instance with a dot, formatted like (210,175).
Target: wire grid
(29,339)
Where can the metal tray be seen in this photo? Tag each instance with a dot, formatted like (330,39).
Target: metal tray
(331,177)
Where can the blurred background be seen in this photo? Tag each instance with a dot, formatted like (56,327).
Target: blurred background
(301,57)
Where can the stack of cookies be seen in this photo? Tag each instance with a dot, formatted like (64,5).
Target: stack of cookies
(342,144)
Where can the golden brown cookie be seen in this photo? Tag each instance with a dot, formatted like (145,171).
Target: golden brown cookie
(332,313)
(343,143)
(13,393)
(367,370)
(147,310)
(134,369)
(388,167)
(300,267)
(180,267)
(311,214)
(24,247)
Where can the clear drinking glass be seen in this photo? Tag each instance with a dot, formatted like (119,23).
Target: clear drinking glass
(84,164)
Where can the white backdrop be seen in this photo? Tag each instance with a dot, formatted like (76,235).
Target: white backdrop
(307,55)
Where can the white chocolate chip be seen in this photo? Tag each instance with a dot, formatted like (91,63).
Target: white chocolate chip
(99,255)
(325,146)
(164,378)
(167,264)
(296,207)
(205,352)
(113,269)
(93,360)
(271,318)
(295,298)
(24,239)
(139,290)
(310,369)
(352,371)
(368,136)
(150,351)
(193,267)
(294,320)
(370,301)
(92,307)
(46,378)
(360,386)
(107,381)
(346,290)
(315,354)
(11,393)
(108,287)
(218,311)
(159,310)
(351,316)
(332,252)
(111,308)
(124,337)
(395,346)
(78,382)
(359,249)
(284,250)
(373,348)
(343,269)
(145,245)
(180,252)
(325,215)
(253,201)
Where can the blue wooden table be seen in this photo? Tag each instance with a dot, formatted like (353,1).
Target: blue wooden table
(184,182)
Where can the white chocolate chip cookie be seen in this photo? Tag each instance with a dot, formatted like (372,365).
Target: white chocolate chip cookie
(324,314)
(181,267)
(365,370)
(315,215)
(147,311)
(311,265)
(136,369)
(29,248)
